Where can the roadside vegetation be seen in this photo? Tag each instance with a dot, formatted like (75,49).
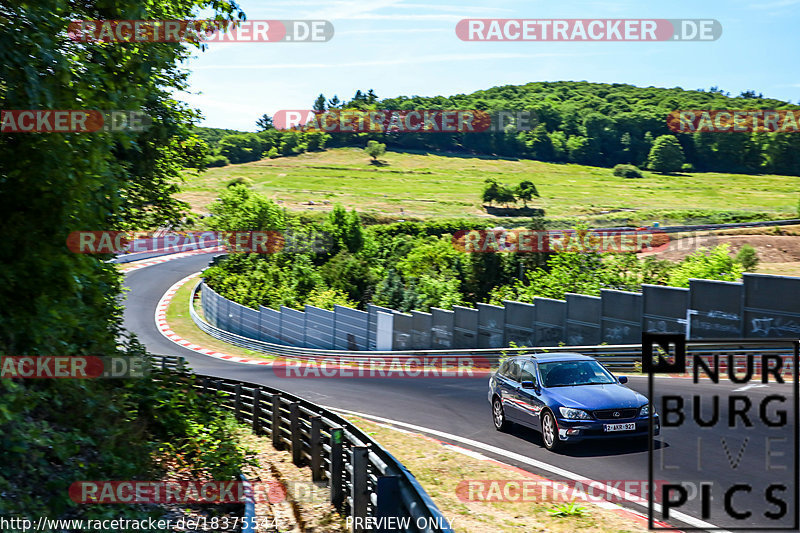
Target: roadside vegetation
(54,432)
(415,265)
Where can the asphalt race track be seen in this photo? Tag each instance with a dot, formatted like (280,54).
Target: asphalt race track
(459,407)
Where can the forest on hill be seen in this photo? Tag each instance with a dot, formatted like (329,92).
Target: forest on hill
(574,121)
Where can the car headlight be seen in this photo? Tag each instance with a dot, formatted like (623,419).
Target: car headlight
(645,410)
(574,414)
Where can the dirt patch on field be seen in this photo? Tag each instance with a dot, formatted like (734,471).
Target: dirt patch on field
(770,248)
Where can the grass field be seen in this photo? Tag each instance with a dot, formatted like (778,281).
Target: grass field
(180,321)
(425,185)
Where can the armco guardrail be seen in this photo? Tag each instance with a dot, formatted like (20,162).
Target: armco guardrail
(618,357)
(760,306)
(364,479)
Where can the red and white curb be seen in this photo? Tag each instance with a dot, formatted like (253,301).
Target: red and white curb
(164,258)
(163,327)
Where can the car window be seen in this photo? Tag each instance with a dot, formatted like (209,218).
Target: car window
(503,370)
(570,373)
(528,372)
(513,371)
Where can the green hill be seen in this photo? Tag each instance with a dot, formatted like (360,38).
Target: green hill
(425,184)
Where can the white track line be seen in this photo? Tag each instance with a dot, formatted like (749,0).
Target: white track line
(692,521)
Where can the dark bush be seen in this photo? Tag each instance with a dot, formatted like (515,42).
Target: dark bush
(240,180)
(627,171)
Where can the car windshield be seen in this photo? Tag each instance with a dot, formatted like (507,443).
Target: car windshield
(569,373)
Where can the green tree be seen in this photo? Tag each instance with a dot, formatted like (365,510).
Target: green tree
(747,257)
(319,103)
(560,150)
(491,190)
(240,209)
(578,150)
(391,291)
(327,298)
(351,275)
(627,147)
(666,155)
(242,148)
(707,264)
(437,291)
(194,153)
(526,190)
(345,229)
(264,123)
(56,302)
(316,140)
(505,195)
(498,192)
(290,143)
(431,255)
(540,144)
(375,149)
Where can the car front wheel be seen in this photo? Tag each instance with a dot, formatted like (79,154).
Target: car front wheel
(499,416)
(550,432)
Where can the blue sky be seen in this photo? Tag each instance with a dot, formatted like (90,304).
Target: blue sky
(399,47)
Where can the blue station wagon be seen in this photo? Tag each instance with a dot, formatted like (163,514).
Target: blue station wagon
(568,397)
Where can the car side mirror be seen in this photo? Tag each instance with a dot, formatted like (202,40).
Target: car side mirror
(623,379)
(528,384)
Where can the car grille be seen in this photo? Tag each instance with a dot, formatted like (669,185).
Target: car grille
(608,414)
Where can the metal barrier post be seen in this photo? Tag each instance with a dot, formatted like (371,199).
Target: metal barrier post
(337,467)
(237,403)
(257,411)
(358,460)
(316,448)
(295,436)
(276,422)
(389,499)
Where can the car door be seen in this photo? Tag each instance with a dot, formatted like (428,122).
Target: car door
(507,385)
(529,401)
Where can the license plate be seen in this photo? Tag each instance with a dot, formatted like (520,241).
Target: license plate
(619,427)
